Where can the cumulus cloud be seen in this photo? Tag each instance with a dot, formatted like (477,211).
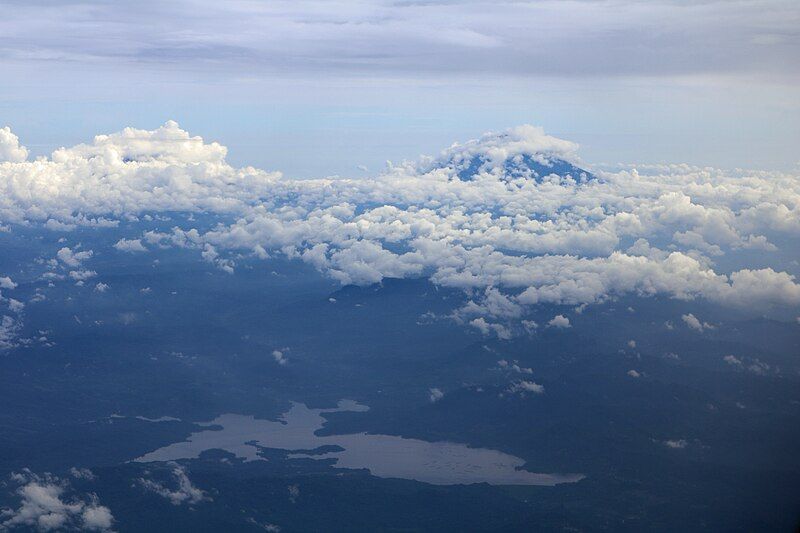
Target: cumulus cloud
(512,219)
(184,493)
(560,322)
(732,360)
(130,245)
(489,328)
(82,274)
(7,283)
(10,149)
(694,323)
(435,394)
(46,504)
(9,331)
(280,357)
(525,387)
(72,258)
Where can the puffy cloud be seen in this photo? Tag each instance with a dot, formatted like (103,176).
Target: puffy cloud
(756,366)
(634,374)
(435,394)
(44,506)
(560,322)
(732,360)
(185,492)
(7,283)
(514,367)
(71,258)
(490,328)
(101,287)
(523,387)
(130,245)
(10,149)
(9,331)
(694,323)
(280,357)
(510,218)
(82,275)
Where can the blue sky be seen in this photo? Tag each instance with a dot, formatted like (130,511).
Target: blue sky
(321,88)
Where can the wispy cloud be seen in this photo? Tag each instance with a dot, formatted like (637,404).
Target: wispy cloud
(576,38)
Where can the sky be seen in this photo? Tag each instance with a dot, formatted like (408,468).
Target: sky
(315,88)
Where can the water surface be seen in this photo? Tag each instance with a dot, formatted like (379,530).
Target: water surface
(440,463)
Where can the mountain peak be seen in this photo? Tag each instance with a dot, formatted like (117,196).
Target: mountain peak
(522,152)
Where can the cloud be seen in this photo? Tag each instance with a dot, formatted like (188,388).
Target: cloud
(694,323)
(130,245)
(634,374)
(185,493)
(596,38)
(510,218)
(435,394)
(9,331)
(82,275)
(10,149)
(755,366)
(7,283)
(488,328)
(15,306)
(280,357)
(45,505)
(514,367)
(71,258)
(523,387)
(560,322)
(732,360)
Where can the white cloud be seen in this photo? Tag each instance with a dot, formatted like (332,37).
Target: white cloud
(81,473)
(101,287)
(7,283)
(10,149)
(185,492)
(677,444)
(130,245)
(694,323)
(71,258)
(472,38)
(9,331)
(82,275)
(280,357)
(560,322)
(732,360)
(489,328)
(435,394)
(523,387)
(514,367)
(634,374)
(507,237)
(15,306)
(44,505)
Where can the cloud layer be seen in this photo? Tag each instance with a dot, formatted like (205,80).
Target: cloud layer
(629,37)
(511,218)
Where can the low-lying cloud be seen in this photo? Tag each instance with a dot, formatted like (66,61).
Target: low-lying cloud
(511,219)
